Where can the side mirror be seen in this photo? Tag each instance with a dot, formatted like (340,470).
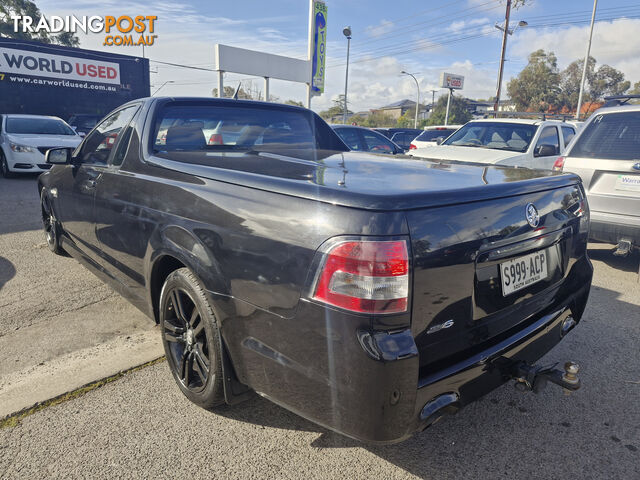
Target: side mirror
(545,151)
(58,156)
(439,140)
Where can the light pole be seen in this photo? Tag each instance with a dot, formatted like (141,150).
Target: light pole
(505,29)
(586,61)
(168,81)
(415,122)
(347,33)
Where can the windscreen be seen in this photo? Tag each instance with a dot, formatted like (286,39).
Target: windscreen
(431,135)
(496,135)
(38,126)
(238,128)
(614,136)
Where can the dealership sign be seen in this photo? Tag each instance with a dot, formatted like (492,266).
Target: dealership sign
(449,80)
(36,64)
(319,47)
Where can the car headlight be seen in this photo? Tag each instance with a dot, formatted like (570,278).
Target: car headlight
(20,148)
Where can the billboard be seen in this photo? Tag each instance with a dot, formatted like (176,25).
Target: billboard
(450,80)
(38,64)
(319,47)
(44,79)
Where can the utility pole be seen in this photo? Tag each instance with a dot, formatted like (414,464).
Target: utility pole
(502,53)
(346,31)
(415,121)
(586,60)
(446,115)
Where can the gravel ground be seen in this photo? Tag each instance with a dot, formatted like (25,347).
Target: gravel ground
(142,427)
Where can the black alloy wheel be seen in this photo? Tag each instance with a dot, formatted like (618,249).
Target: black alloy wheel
(50,225)
(191,339)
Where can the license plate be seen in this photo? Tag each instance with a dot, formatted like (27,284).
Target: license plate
(630,183)
(523,271)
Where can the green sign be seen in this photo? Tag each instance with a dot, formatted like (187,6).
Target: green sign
(319,47)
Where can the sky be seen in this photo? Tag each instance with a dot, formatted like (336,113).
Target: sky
(421,37)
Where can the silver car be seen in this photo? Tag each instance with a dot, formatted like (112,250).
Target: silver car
(606,155)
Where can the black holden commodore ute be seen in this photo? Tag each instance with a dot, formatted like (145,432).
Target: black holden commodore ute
(371,295)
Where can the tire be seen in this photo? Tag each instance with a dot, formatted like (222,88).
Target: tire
(191,339)
(4,166)
(50,225)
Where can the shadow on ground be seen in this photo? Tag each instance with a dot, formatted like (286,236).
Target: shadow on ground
(7,271)
(630,263)
(509,434)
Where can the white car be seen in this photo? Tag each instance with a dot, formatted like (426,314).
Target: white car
(431,136)
(513,142)
(24,139)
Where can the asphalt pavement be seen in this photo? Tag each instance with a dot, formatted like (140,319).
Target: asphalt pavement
(54,312)
(141,426)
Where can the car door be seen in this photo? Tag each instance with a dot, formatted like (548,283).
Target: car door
(351,138)
(377,143)
(543,155)
(78,182)
(567,135)
(119,223)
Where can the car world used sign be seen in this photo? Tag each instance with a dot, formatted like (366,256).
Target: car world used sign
(29,63)
(449,80)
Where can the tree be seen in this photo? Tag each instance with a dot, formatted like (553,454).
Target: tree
(336,109)
(607,81)
(537,86)
(294,102)
(230,91)
(636,89)
(8,8)
(570,80)
(458,111)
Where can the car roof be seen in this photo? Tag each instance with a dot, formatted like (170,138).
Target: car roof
(522,121)
(440,127)
(619,108)
(22,115)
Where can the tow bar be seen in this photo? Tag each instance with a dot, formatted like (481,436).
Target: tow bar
(532,378)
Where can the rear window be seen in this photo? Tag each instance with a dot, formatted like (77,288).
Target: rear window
(38,126)
(238,128)
(611,136)
(431,135)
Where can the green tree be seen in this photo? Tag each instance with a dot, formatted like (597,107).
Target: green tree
(336,109)
(230,91)
(636,89)
(607,81)
(8,8)
(294,102)
(570,80)
(537,86)
(458,111)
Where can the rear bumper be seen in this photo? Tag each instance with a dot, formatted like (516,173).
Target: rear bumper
(613,227)
(366,384)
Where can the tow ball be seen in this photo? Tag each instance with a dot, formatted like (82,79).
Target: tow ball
(532,378)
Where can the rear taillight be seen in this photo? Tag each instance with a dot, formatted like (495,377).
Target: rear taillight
(559,165)
(215,139)
(365,276)
(412,147)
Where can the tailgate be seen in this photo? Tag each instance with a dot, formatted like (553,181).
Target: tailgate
(464,256)
(612,186)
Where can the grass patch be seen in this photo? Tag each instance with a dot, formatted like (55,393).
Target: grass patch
(14,420)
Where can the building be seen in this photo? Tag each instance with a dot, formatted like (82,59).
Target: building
(397,109)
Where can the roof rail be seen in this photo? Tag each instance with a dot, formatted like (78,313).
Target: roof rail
(615,100)
(541,115)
